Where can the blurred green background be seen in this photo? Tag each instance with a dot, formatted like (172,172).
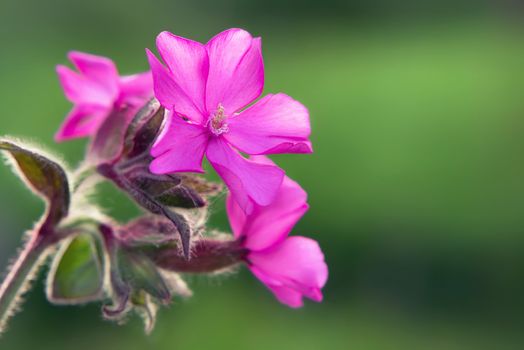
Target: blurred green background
(416,185)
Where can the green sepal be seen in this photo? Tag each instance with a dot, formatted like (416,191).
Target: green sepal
(77,272)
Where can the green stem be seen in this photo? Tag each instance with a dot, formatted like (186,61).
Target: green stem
(20,275)
(84,173)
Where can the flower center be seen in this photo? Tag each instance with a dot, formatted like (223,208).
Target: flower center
(217,121)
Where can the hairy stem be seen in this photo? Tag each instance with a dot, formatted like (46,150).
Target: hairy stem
(207,256)
(20,274)
(84,173)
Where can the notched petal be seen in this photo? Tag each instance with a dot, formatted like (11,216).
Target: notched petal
(243,176)
(275,124)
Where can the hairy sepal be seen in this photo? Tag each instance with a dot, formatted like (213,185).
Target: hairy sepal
(158,194)
(45,177)
(77,271)
(136,283)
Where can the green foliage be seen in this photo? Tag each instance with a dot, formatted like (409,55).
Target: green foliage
(45,176)
(137,270)
(77,273)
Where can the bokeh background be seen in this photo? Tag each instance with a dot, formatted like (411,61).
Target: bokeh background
(416,185)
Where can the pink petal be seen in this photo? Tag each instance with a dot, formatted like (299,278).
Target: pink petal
(188,62)
(297,262)
(275,124)
(247,81)
(83,120)
(268,225)
(81,90)
(285,295)
(179,148)
(170,95)
(136,88)
(236,216)
(100,70)
(236,70)
(249,182)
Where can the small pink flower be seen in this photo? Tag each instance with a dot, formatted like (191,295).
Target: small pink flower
(291,267)
(206,90)
(96,90)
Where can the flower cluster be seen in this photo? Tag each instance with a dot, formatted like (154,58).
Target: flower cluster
(149,133)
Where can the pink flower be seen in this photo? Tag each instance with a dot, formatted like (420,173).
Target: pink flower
(206,89)
(291,267)
(96,90)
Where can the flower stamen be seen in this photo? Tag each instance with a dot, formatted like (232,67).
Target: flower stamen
(217,123)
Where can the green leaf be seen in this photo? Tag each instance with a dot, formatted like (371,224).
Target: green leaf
(140,273)
(46,177)
(77,273)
